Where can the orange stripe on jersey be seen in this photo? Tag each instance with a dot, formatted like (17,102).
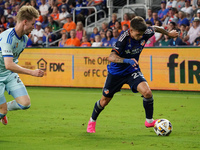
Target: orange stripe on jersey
(116,51)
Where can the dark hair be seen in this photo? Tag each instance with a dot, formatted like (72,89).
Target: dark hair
(73,4)
(160,23)
(173,23)
(125,25)
(50,28)
(80,1)
(149,22)
(119,24)
(183,25)
(139,24)
(127,15)
(110,35)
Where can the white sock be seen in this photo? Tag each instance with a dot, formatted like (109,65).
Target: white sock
(149,120)
(92,120)
(12,105)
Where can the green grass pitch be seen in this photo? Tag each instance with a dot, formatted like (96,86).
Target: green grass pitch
(58,117)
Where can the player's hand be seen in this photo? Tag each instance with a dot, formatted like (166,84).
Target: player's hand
(131,61)
(38,73)
(173,34)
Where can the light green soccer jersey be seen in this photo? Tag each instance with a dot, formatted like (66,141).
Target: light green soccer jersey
(10,46)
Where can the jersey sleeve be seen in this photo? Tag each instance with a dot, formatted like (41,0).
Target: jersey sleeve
(149,32)
(7,47)
(119,46)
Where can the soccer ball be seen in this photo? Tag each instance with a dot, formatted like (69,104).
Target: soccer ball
(163,127)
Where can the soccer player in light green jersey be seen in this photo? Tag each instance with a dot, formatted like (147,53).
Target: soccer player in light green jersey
(12,43)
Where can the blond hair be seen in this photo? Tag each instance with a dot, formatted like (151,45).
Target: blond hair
(114,14)
(27,13)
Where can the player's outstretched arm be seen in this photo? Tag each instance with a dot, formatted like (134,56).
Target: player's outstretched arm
(171,34)
(113,57)
(10,65)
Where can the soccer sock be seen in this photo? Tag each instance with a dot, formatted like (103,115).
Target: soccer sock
(2,115)
(148,106)
(96,111)
(149,120)
(13,105)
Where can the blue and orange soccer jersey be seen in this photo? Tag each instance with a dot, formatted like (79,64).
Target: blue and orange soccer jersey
(10,46)
(126,47)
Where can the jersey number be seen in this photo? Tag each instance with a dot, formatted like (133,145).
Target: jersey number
(136,74)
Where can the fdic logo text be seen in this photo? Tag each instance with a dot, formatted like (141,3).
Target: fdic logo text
(55,67)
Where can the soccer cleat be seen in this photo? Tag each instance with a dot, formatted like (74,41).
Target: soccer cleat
(4,120)
(150,124)
(91,127)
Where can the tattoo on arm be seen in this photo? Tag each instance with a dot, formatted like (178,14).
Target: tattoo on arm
(160,30)
(115,58)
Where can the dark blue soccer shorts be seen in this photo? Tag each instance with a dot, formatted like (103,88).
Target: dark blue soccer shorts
(114,83)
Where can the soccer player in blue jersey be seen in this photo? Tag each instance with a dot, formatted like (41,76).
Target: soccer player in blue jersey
(12,43)
(124,69)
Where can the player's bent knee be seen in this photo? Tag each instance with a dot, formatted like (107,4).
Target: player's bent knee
(27,103)
(27,107)
(23,102)
(147,94)
(24,106)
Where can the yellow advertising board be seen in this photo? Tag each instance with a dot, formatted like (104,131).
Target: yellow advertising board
(163,68)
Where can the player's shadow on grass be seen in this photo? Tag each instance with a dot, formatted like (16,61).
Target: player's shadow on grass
(95,136)
(152,136)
